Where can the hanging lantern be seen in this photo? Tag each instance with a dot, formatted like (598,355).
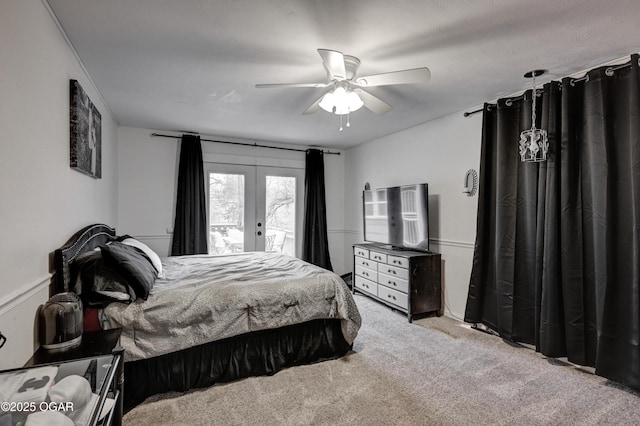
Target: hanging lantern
(534,143)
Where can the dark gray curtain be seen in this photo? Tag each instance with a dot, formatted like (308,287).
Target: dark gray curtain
(190,227)
(557,253)
(315,244)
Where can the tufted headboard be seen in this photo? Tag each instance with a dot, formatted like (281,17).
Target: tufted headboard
(86,239)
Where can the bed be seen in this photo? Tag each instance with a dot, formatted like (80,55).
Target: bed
(206,319)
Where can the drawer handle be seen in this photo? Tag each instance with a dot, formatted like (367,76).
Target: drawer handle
(391,296)
(365,263)
(365,274)
(393,282)
(392,271)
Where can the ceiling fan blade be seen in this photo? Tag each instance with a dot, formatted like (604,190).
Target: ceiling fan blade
(334,63)
(373,103)
(416,75)
(270,86)
(315,107)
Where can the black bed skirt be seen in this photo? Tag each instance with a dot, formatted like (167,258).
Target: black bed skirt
(252,354)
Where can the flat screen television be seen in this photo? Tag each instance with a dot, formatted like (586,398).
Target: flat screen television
(398,216)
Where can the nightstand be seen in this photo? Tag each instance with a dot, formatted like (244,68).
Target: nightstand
(100,352)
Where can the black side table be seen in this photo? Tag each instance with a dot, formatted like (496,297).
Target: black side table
(94,344)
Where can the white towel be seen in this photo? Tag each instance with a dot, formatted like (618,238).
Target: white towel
(35,385)
(77,389)
(48,418)
(81,417)
(9,384)
(72,388)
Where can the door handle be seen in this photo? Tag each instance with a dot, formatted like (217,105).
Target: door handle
(259,224)
(259,233)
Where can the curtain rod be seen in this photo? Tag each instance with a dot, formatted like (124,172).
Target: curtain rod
(508,102)
(468,113)
(609,72)
(255,145)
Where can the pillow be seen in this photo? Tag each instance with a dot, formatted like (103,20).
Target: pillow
(97,282)
(152,255)
(132,263)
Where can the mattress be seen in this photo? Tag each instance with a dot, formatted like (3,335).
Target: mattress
(204,298)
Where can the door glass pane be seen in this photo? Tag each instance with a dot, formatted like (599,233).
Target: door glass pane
(280,214)
(226,213)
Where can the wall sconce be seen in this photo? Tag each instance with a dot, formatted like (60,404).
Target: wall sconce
(470,183)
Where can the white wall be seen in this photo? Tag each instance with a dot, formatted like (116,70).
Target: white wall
(148,174)
(43,201)
(439,153)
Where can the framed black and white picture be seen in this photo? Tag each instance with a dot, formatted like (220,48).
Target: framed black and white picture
(86,132)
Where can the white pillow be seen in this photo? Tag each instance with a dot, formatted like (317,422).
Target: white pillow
(152,255)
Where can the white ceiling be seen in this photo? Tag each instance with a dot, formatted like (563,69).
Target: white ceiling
(192,65)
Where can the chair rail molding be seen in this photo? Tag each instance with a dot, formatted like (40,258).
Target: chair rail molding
(23,293)
(452,243)
(436,241)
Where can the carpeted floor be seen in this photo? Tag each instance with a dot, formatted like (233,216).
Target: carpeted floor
(435,371)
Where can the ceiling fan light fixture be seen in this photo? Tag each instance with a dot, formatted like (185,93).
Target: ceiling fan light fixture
(327,102)
(341,101)
(354,101)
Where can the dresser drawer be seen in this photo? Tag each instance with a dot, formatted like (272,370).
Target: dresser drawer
(395,283)
(370,274)
(366,263)
(402,262)
(366,285)
(378,257)
(394,297)
(361,252)
(394,271)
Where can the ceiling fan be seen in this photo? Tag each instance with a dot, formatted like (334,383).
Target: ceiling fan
(346,90)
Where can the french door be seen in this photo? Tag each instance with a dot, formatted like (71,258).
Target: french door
(254,208)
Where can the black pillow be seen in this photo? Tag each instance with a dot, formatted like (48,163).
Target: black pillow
(91,275)
(133,264)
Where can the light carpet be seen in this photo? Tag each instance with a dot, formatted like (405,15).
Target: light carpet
(436,371)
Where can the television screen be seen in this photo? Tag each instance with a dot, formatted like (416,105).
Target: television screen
(398,216)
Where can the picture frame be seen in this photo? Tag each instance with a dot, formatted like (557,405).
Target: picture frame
(85,133)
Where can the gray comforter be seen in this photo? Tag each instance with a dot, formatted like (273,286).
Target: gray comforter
(207,298)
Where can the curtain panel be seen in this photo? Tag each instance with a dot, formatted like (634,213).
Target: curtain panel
(315,243)
(557,253)
(190,226)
